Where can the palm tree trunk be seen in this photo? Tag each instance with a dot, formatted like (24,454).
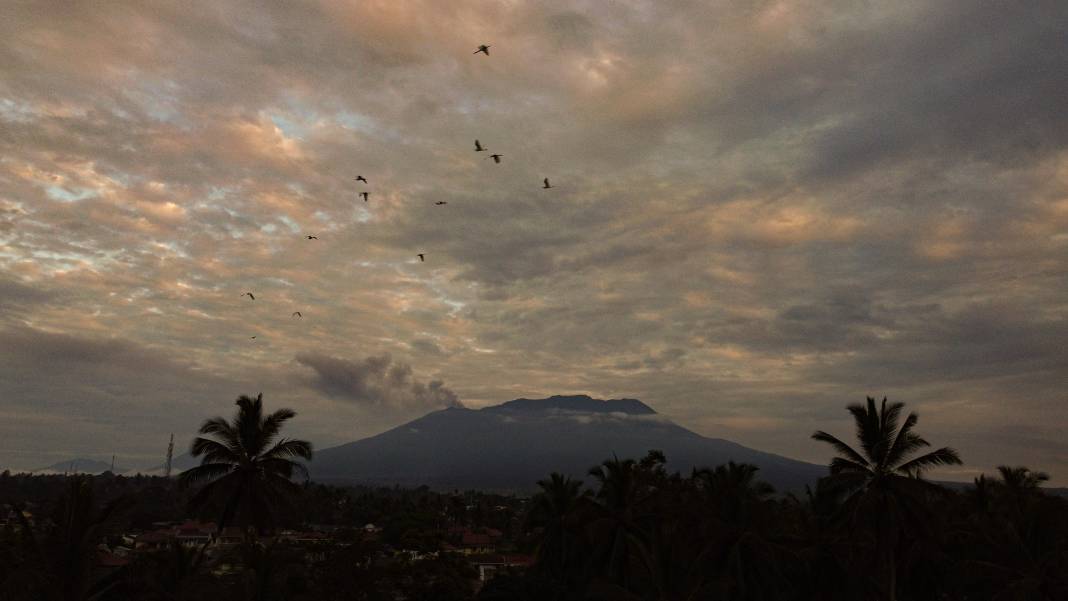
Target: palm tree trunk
(889,575)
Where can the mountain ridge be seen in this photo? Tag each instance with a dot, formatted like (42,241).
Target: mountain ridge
(77,465)
(512,445)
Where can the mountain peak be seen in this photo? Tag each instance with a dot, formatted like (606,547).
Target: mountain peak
(577,402)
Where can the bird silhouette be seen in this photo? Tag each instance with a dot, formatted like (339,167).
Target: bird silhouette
(421,258)
(249,294)
(365,195)
(483,48)
(546,185)
(251,337)
(297,314)
(496,157)
(441,202)
(312,237)
(361,178)
(478,146)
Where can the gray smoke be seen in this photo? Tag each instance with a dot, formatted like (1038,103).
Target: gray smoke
(376,380)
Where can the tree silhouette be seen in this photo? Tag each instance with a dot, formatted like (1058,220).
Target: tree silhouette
(554,510)
(884,479)
(244,476)
(59,560)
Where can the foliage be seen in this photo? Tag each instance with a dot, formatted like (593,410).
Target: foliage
(245,477)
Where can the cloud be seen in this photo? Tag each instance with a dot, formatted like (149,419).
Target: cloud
(17,298)
(66,395)
(761,212)
(377,381)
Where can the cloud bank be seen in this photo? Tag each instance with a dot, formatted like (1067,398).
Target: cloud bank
(761,212)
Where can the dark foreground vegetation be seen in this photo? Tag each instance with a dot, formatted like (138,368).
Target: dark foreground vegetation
(245,526)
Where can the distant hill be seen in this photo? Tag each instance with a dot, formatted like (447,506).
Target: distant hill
(80,465)
(513,445)
(178,465)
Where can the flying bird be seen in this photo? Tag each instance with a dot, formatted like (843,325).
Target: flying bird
(546,185)
(249,294)
(496,157)
(478,146)
(312,238)
(297,314)
(365,195)
(361,178)
(483,48)
(421,259)
(441,202)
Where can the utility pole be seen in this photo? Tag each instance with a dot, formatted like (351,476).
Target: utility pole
(112,464)
(170,456)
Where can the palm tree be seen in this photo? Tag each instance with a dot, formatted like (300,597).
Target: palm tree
(553,510)
(251,480)
(1021,478)
(734,490)
(883,478)
(618,538)
(59,567)
(738,545)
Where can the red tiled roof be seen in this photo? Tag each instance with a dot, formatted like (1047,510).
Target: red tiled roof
(155,536)
(196,527)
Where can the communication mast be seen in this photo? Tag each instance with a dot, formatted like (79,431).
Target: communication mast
(170,455)
(112,464)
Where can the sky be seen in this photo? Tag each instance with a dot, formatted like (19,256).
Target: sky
(761,212)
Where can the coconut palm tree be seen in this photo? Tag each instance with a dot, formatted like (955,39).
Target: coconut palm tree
(244,476)
(733,489)
(553,510)
(1021,478)
(883,478)
(616,529)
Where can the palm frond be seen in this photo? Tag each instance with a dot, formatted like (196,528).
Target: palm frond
(288,449)
(273,422)
(213,451)
(841,465)
(205,472)
(867,427)
(219,427)
(889,432)
(885,431)
(283,467)
(943,456)
(847,451)
(247,422)
(903,448)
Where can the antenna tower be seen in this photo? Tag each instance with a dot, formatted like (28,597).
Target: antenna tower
(170,456)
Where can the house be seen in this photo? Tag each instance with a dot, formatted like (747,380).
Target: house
(193,533)
(474,543)
(230,535)
(487,565)
(301,537)
(153,540)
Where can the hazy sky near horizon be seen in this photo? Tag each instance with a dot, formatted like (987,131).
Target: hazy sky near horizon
(761,212)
